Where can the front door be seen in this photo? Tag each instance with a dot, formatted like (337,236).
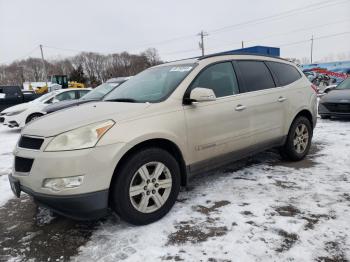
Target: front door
(216,128)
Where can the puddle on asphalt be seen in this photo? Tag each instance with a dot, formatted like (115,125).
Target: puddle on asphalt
(30,232)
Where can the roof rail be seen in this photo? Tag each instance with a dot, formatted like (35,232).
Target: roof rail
(238,53)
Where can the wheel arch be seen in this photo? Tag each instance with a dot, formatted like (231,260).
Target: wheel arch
(305,113)
(162,143)
(32,114)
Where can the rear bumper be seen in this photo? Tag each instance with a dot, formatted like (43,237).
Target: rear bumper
(86,206)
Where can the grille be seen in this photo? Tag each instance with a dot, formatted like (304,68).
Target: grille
(338,107)
(30,142)
(23,164)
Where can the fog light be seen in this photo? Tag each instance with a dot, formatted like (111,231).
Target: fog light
(59,184)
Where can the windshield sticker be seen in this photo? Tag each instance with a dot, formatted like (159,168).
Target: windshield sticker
(181,69)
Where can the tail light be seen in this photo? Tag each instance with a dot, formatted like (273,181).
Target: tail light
(315,88)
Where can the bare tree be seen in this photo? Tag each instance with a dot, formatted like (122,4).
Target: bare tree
(96,67)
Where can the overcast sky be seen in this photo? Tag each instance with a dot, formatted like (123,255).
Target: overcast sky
(108,26)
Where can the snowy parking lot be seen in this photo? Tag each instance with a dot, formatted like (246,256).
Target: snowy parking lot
(260,209)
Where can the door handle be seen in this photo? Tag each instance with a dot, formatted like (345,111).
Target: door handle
(240,107)
(281,99)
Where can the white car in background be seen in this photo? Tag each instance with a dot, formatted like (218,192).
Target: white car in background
(19,115)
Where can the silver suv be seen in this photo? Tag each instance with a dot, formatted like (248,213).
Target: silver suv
(133,151)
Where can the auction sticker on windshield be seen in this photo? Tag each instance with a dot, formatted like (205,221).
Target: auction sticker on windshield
(181,69)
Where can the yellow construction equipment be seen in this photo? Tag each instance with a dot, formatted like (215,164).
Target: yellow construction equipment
(61,80)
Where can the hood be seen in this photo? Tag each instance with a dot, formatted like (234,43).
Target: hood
(17,108)
(337,96)
(63,104)
(71,118)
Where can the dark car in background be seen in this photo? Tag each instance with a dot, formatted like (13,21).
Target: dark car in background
(14,95)
(96,94)
(336,103)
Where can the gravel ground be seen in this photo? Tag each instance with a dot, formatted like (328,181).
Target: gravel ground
(259,209)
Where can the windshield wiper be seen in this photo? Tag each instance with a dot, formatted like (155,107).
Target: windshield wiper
(127,100)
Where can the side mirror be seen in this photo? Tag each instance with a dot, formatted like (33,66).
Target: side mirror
(55,100)
(200,94)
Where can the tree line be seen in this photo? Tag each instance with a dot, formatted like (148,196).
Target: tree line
(86,67)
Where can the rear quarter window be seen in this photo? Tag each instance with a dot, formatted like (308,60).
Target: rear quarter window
(285,74)
(256,76)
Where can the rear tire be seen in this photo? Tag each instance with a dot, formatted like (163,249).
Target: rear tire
(298,140)
(146,186)
(32,117)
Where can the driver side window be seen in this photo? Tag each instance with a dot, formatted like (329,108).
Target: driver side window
(220,77)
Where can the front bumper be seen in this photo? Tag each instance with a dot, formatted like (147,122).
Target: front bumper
(81,207)
(12,121)
(87,201)
(324,111)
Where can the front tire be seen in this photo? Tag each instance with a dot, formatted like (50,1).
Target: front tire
(146,186)
(298,141)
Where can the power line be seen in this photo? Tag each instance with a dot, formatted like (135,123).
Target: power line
(285,33)
(304,9)
(281,15)
(315,38)
(20,57)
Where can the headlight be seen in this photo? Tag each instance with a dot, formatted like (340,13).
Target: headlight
(59,184)
(80,138)
(14,112)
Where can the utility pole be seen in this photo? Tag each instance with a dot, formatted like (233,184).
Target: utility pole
(312,47)
(202,34)
(242,44)
(44,65)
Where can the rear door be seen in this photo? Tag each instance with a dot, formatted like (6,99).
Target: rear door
(295,91)
(267,102)
(216,128)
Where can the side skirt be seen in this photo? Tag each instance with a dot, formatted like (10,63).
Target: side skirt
(211,165)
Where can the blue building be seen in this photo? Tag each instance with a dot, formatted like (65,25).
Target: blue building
(262,50)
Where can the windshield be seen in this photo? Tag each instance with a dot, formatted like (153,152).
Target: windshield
(99,92)
(152,85)
(344,85)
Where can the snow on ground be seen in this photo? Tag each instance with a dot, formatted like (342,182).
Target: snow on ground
(262,210)
(8,140)
(266,211)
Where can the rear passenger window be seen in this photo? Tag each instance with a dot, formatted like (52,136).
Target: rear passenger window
(256,75)
(220,78)
(286,74)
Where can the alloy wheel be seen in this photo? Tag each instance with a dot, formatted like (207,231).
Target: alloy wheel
(150,187)
(301,138)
